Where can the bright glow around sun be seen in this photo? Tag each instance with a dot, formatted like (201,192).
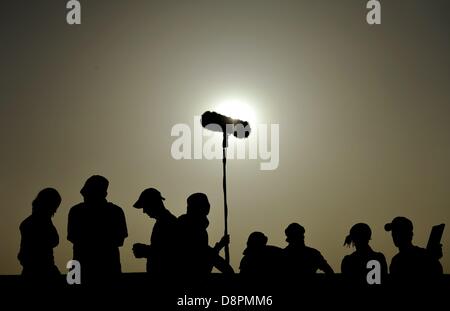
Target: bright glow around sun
(237,109)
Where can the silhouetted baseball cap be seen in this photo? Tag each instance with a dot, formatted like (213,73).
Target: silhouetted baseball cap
(148,195)
(95,184)
(399,224)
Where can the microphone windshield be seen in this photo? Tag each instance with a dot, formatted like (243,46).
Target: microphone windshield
(216,122)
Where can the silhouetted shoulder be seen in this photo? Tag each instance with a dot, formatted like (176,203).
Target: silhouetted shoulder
(76,209)
(117,212)
(182,219)
(274,249)
(113,208)
(169,217)
(413,255)
(346,262)
(379,257)
(415,262)
(355,256)
(275,258)
(78,206)
(313,253)
(36,228)
(73,225)
(355,264)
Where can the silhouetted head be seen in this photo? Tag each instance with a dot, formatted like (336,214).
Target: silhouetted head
(295,234)
(198,204)
(256,240)
(95,189)
(47,202)
(402,231)
(360,235)
(151,202)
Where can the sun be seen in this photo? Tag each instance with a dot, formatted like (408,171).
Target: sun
(237,109)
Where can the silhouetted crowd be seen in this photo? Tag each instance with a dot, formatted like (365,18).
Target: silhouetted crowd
(179,247)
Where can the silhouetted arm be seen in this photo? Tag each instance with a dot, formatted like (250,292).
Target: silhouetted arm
(327,269)
(436,252)
(345,268)
(384,267)
(141,250)
(22,256)
(225,240)
(324,266)
(72,224)
(52,237)
(220,264)
(121,230)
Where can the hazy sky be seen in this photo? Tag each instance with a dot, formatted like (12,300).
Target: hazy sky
(364,114)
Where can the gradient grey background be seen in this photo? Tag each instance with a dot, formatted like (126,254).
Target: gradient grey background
(364,114)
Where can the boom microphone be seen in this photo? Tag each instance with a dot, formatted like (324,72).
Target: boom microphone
(216,122)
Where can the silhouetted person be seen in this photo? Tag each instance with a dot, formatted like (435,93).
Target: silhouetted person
(97,228)
(260,259)
(300,259)
(198,258)
(354,266)
(38,238)
(161,254)
(412,264)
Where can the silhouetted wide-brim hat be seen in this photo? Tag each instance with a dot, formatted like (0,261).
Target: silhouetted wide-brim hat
(399,224)
(148,195)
